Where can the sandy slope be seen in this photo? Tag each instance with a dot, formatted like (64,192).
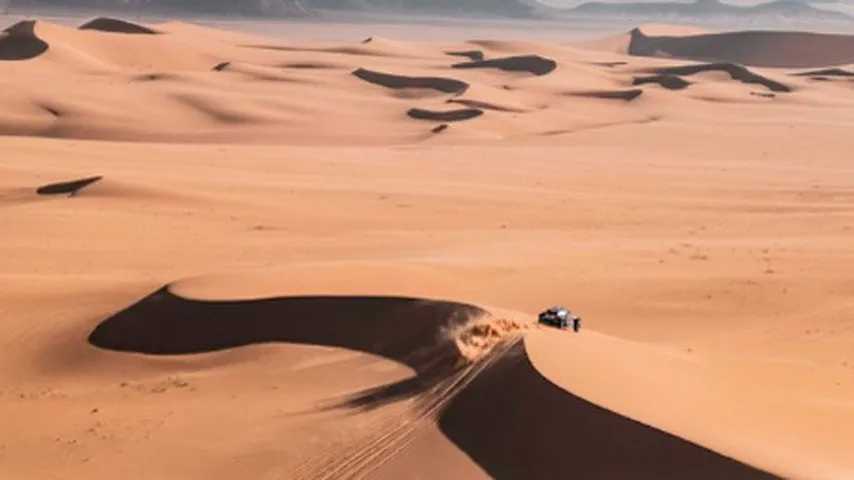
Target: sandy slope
(325,252)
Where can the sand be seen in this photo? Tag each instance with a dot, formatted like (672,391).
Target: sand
(281,274)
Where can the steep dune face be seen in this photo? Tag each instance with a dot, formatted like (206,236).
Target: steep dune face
(569,436)
(113,25)
(466,367)
(444,85)
(70,188)
(736,72)
(533,64)
(20,42)
(758,48)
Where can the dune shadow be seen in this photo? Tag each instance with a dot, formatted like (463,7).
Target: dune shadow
(501,411)
(759,48)
(456,115)
(516,424)
(20,42)
(736,72)
(533,64)
(444,85)
(115,25)
(408,330)
(71,188)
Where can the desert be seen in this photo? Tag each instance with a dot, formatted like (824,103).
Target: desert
(233,254)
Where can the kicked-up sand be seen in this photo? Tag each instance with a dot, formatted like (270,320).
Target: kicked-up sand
(229,256)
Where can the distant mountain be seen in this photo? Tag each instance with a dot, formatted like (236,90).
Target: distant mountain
(707,9)
(494,7)
(245,7)
(299,7)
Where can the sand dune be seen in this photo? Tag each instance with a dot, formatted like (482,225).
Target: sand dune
(20,42)
(570,436)
(445,85)
(473,55)
(438,340)
(670,82)
(445,115)
(314,221)
(736,72)
(533,64)
(757,48)
(627,95)
(482,105)
(71,187)
(826,72)
(113,25)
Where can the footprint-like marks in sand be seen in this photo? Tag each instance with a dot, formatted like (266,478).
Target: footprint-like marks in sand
(533,64)
(114,25)
(70,188)
(445,85)
(456,115)
(472,377)
(20,42)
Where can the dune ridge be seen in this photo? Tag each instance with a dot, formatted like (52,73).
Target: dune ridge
(114,25)
(464,361)
(533,64)
(736,72)
(456,115)
(754,48)
(627,95)
(444,85)
(670,82)
(20,42)
(72,187)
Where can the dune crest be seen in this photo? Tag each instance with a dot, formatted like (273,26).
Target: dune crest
(445,115)
(754,48)
(533,64)
(71,187)
(444,85)
(736,72)
(20,42)
(114,25)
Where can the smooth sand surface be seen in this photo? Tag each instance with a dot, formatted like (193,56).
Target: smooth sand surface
(282,274)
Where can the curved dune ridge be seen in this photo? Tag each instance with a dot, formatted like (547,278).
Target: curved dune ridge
(826,72)
(445,115)
(518,424)
(627,95)
(736,72)
(533,64)
(20,42)
(445,85)
(72,187)
(114,25)
(434,338)
(756,48)
(473,55)
(670,82)
(473,379)
(483,105)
